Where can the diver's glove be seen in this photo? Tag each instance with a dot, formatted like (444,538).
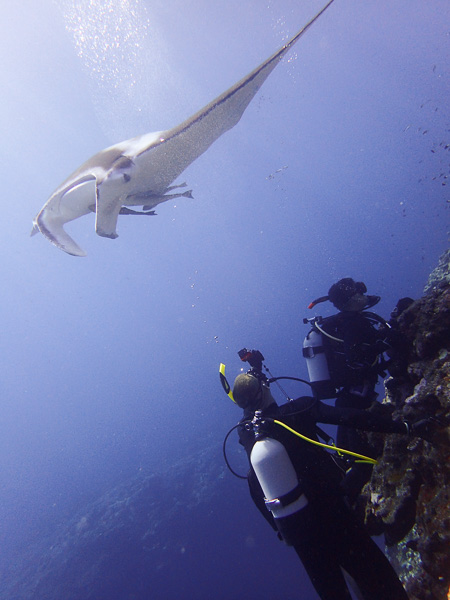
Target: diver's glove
(425,428)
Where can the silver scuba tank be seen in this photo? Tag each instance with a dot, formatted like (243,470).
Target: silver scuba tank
(317,365)
(277,477)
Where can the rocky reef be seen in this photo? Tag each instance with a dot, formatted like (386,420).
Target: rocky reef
(189,531)
(408,497)
(137,541)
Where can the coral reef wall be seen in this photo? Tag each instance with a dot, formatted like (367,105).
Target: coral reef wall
(408,496)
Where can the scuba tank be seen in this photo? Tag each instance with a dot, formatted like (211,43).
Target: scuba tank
(277,477)
(328,366)
(317,365)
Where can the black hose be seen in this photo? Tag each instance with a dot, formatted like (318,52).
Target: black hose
(273,379)
(225,452)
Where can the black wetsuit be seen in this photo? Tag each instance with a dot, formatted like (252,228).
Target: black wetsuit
(325,534)
(354,368)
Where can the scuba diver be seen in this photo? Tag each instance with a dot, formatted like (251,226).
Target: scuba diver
(295,484)
(344,357)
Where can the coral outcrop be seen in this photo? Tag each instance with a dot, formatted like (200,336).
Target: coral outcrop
(408,496)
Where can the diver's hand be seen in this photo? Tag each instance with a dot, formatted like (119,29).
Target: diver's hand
(426,428)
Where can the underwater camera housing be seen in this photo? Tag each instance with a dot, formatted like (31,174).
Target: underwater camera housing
(254,359)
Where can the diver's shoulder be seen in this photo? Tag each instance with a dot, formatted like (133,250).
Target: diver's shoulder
(299,404)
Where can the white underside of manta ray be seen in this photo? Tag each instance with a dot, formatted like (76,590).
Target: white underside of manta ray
(140,171)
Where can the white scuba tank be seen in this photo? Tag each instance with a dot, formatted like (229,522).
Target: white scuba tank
(317,365)
(276,475)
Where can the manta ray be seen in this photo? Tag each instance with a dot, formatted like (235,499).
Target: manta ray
(139,172)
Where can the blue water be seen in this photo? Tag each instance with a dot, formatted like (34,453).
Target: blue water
(109,363)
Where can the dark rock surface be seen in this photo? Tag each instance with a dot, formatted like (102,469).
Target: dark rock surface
(408,497)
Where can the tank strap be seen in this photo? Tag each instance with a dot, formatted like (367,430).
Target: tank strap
(286,499)
(310,352)
(323,435)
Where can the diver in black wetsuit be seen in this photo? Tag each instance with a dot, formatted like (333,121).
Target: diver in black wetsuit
(308,509)
(354,341)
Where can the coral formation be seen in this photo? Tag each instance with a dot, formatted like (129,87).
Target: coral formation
(408,496)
